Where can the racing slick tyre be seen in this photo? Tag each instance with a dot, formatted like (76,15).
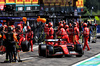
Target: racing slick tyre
(79,49)
(49,51)
(42,50)
(25,46)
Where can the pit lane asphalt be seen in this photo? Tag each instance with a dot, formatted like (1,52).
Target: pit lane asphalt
(32,58)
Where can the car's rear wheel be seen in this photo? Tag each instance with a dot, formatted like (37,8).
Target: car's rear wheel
(42,50)
(49,51)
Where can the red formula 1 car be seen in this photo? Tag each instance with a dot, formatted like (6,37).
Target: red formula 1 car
(59,49)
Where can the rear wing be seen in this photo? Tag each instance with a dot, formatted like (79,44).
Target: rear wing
(54,40)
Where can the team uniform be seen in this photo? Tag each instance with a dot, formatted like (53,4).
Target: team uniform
(19,34)
(62,32)
(67,28)
(86,36)
(76,35)
(70,33)
(10,39)
(51,32)
(29,37)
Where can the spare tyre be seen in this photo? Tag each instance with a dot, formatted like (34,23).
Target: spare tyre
(25,46)
(79,48)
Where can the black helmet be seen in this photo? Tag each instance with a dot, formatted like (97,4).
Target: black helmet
(10,29)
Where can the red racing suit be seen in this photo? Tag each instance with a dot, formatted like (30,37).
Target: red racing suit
(77,24)
(86,37)
(21,27)
(58,28)
(70,33)
(19,34)
(76,35)
(62,32)
(29,37)
(67,30)
(50,36)
(20,37)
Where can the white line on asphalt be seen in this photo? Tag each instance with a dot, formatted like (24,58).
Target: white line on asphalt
(85,60)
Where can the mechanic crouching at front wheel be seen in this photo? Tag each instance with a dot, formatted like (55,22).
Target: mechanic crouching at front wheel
(10,40)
